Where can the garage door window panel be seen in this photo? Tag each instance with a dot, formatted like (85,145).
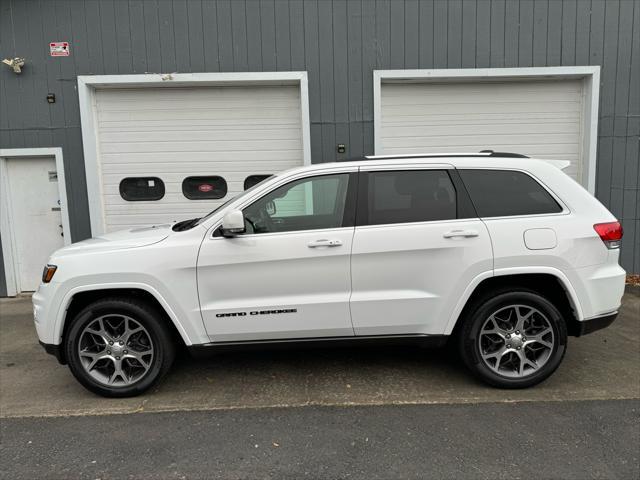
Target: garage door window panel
(204,188)
(504,193)
(407,196)
(253,180)
(139,189)
(306,204)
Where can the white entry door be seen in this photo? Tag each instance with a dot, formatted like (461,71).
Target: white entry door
(35,216)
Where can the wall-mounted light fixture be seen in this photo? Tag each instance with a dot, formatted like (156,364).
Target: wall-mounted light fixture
(15,63)
(51,98)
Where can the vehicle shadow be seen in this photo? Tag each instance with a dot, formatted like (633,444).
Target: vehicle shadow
(320,375)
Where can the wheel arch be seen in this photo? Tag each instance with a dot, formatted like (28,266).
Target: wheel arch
(77,299)
(550,283)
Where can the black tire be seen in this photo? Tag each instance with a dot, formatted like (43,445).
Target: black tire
(144,314)
(476,316)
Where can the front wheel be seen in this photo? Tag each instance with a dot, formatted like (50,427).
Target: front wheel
(513,339)
(119,347)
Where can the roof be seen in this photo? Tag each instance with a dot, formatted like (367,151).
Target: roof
(485,159)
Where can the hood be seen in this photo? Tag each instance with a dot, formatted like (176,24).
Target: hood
(137,237)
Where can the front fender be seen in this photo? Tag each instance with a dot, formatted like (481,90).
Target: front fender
(190,331)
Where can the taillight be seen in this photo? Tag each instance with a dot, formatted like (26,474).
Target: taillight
(610,233)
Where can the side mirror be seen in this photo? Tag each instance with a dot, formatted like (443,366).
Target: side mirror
(233,224)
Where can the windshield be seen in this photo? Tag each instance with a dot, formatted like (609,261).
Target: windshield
(232,199)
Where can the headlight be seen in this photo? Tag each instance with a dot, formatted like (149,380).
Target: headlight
(47,273)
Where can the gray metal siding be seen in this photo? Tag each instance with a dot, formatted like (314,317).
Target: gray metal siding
(339,43)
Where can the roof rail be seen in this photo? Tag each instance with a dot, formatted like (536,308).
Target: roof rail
(482,153)
(503,154)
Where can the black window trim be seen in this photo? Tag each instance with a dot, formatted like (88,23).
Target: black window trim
(465,209)
(463,200)
(348,217)
(147,177)
(565,210)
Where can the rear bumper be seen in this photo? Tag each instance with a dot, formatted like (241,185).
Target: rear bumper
(599,289)
(56,351)
(593,324)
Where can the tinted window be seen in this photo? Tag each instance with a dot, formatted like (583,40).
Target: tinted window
(306,204)
(137,189)
(410,196)
(252,180)
(204,188)
(500,193)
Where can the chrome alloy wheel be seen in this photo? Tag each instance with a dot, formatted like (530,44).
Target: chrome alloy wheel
(115,350)
(516,341)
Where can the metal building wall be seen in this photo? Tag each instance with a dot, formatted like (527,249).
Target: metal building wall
(339,43)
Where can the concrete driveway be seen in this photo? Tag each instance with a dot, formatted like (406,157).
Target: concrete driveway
(600,366)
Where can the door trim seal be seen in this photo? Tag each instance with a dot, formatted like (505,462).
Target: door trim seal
(418,339)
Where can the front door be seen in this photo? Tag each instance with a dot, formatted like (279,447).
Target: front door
(289,275)
(36,220)
(417,246)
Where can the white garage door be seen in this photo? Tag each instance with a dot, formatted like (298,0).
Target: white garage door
(539,119)
(158,137)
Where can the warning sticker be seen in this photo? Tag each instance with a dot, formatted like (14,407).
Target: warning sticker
(59,49)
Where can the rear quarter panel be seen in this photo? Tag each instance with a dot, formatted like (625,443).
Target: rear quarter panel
(579,255)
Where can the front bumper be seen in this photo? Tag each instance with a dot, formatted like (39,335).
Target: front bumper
(593,324)
(46,305)
(56,351)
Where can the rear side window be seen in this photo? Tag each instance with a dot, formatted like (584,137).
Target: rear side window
(138,189)
(204,188)
(410,196)
(503,193)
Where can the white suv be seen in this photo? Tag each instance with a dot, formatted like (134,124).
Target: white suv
(505,254)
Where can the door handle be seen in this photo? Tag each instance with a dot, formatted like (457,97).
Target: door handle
(324,243)
(461,233)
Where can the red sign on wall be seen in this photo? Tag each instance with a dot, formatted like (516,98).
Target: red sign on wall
(59,49)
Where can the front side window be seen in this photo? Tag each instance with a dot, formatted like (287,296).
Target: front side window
(409,196)
(139,189)
(306,204)
(502,193)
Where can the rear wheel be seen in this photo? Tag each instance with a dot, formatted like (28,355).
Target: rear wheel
(119,347)
(513,339)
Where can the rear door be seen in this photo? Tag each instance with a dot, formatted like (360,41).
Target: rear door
(417,245)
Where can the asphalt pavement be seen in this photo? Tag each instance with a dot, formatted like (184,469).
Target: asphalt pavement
(569,440)
(353,413)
